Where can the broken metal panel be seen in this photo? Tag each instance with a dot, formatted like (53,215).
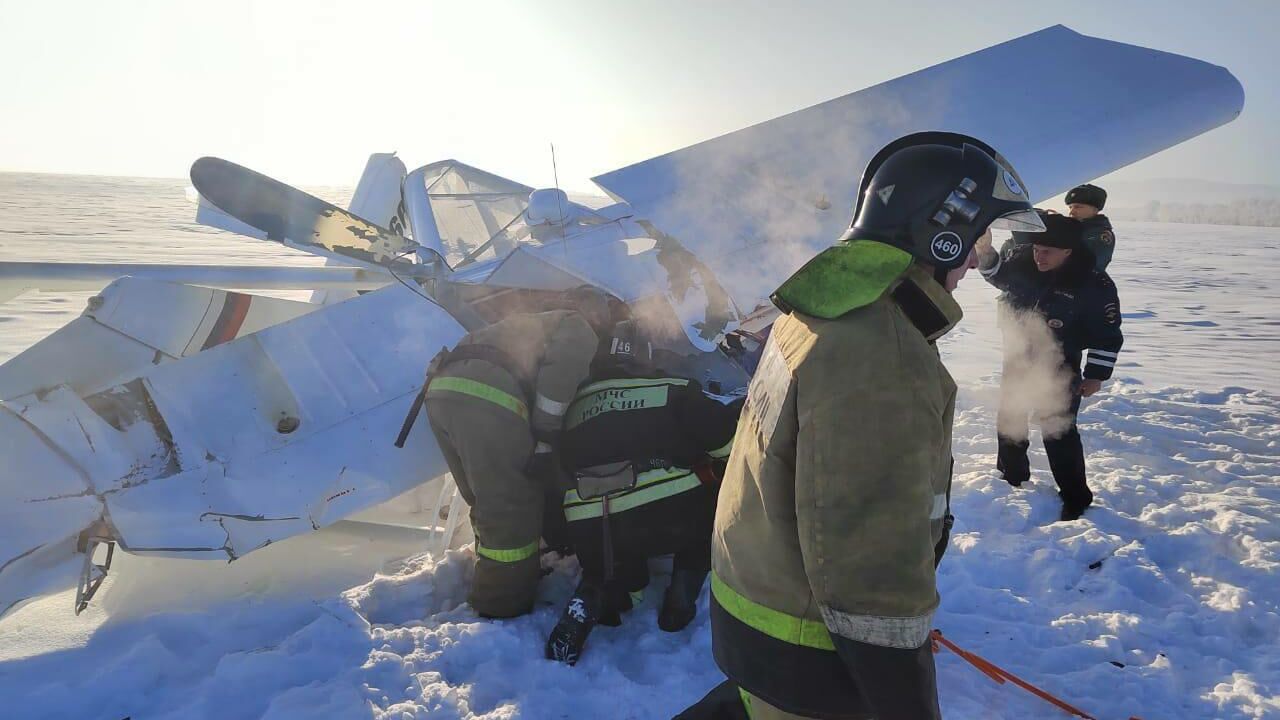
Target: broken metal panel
(164,516)
(235,507)
(43,569)
(79,434)
(45,503)
(246,443)
(224,401)
(59,359)
(347,374)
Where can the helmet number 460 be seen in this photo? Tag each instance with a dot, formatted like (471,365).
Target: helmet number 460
(946,246)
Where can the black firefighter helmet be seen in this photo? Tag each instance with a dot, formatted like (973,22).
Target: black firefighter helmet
(934,194)
(625,348)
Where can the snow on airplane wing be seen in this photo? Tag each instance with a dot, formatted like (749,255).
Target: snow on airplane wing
(757,203)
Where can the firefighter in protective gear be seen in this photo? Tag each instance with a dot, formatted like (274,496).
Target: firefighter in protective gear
(496,403)
(644,451)
(835,505)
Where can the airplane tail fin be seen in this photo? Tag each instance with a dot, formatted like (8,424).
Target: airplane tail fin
(377,199)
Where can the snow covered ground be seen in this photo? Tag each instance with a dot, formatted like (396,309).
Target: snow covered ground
(1160,603)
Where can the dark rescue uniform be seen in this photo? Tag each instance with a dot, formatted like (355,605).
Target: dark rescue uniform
(1080,306)
(1100,239)
(672,433)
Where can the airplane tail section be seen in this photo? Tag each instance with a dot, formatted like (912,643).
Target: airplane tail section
(378,199)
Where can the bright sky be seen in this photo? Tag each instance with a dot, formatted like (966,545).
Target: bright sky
(304,90)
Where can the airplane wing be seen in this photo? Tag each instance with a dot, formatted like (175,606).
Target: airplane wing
(757,203)
(17,278)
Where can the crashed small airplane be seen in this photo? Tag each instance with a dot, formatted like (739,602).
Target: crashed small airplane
(176,417)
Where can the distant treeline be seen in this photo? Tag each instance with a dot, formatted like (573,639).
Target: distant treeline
(1264,212)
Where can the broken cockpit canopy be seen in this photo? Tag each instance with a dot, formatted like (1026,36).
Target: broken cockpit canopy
(481,216)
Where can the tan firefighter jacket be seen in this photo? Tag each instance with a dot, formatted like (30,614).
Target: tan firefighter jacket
(548,352)
(836,492)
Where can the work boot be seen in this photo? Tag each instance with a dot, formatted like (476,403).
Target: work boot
(680,602)
(1071,512)
(569,637)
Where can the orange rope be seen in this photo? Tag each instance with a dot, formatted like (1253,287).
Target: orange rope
(1000,675)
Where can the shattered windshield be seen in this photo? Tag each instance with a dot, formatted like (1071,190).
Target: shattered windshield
(479,215)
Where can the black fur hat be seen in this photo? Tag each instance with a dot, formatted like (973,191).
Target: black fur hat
(1088,195)
(1060,231)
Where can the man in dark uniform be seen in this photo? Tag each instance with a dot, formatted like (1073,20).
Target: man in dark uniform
(642,450)
(1085,203)
(1055,304)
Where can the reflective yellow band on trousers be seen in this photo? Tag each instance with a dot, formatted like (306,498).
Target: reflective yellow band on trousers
(463,386)
(507,556)
(650,486)
(775,624)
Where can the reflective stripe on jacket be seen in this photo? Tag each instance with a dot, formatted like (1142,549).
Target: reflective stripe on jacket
(553,349)
(663,426)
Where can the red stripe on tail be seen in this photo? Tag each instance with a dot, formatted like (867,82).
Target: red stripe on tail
(234,310)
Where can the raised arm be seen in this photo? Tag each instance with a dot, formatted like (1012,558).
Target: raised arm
(571,344)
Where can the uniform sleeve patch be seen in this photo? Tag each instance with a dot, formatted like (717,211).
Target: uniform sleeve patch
(1111,313)
(768,391)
